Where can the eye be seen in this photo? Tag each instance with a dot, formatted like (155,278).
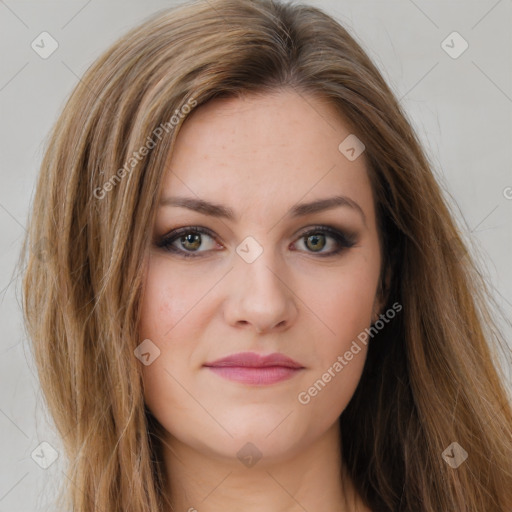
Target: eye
(320,237)
(191,241)
(187,241)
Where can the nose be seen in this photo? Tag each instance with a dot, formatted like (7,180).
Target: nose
(261,296)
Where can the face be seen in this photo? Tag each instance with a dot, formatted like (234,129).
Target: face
(240,264)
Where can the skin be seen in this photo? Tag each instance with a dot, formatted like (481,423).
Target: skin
(259,156)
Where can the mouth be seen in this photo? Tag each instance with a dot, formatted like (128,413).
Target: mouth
(255,369)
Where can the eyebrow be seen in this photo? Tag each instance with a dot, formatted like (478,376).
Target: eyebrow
(299,210)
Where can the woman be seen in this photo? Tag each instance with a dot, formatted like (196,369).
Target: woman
(255,296)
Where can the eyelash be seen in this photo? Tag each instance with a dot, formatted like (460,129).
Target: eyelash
(343,240)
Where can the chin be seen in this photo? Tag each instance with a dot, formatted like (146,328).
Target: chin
(264,440)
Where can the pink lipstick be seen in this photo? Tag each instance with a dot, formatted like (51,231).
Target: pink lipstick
(255,369)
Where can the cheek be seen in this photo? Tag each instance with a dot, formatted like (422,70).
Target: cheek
(166,301)
(345,305)
(163,314)
(340,357)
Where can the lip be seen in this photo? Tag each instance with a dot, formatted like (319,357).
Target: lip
(255,369)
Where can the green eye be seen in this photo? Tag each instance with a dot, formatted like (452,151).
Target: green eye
(187,241)
(316,242)
(190,242)
(317,239)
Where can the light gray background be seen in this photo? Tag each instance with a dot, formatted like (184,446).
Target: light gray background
(461,109)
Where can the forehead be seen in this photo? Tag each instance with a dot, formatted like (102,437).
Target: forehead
(265,151)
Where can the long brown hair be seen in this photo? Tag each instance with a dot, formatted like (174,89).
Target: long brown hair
(431,376)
